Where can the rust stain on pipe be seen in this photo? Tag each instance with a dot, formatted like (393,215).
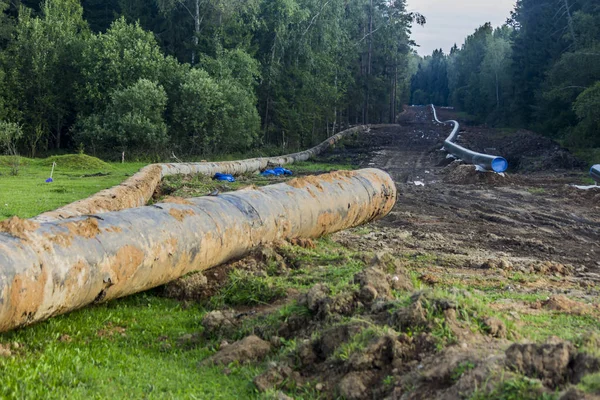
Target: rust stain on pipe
(51,268)
(138,189)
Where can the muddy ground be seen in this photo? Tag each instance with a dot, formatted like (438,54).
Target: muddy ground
(476,286)
(530,215)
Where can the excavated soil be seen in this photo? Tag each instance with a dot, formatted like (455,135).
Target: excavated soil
(534,215)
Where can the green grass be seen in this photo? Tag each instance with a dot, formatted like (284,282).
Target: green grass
(589,155)
(129,348)
(357,343)
(244,288)
(328,263)
(312,167)
(201,185)
(27,194)
(537,191)
(590,384)
(460,370)
(519,388)
(565,326)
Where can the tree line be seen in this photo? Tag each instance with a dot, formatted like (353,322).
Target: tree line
(541,70)
(197,76)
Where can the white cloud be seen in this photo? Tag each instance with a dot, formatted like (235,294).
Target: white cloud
(450,22)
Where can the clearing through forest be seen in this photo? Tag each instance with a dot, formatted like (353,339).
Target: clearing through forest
(528,217)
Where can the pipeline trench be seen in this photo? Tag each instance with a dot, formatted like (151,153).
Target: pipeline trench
(530,215)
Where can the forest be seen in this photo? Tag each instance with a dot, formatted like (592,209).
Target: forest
(541,71)
(197,77)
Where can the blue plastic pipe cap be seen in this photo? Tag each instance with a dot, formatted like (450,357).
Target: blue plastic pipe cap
(499,164)
(224,177)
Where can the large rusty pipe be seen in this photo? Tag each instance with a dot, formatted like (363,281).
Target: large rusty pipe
(138,190)
(54,267)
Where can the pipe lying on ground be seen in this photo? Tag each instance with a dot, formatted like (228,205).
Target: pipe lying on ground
(489,162)
(52,268)
(595,173)
(138,190)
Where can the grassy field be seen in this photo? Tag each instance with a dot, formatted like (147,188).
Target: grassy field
(78,176)
(75,177)
(130,348)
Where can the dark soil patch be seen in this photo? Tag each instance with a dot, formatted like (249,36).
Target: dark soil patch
(525,151)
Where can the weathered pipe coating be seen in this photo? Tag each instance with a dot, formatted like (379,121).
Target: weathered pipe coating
(595,172)
(55,267)
(494,163)
(138,190)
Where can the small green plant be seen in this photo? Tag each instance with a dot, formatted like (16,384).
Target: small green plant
(246,289)
(537,191)
(590,384)
(460,370)
(356,344)
(388,381)
(519,388)
(10,133)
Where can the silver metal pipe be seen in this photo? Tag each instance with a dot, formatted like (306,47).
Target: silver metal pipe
(489,162)
(595,172)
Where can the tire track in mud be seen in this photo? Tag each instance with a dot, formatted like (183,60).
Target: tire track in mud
(531,216)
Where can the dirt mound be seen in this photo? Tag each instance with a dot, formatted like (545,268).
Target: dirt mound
(217,322)
(324,307)
(524,150)
(278,376)
(80,162)
(248,349)
(564,304)
(201,287)
(590,197)
(192,287)
(461,174)
(555,362)
(9,161)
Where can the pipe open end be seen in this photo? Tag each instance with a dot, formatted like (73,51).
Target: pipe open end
(595,172)
(499,164)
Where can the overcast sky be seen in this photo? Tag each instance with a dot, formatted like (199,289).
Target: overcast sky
(451,21)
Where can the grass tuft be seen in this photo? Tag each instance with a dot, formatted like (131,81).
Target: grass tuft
(244,288)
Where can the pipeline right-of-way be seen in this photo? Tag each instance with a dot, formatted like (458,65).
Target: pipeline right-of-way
(486,161)
(595,173)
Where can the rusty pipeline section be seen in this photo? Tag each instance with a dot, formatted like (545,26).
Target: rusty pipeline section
(138,190)
(55,267)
